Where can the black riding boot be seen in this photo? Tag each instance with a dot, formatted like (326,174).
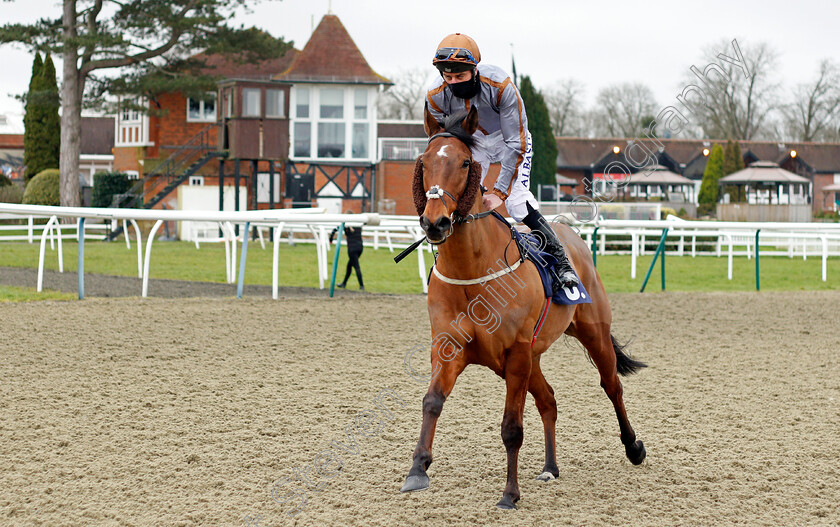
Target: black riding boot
(535,221)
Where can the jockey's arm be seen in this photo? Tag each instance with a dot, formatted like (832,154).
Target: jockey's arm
(514,126)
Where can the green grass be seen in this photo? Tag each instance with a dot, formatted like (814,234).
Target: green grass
(182,261)
(29,294)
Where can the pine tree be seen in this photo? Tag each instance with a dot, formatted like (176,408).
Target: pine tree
(544,161)
(733,162)
(43,125)
(29,118)
(711,175)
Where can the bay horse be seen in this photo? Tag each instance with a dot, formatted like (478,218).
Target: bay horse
(462,275)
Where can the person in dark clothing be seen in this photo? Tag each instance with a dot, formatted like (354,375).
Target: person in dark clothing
(353,235)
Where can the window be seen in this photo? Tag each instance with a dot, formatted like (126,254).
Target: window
(332,103)
(360,104)
(303,139)
(331,140)
(275,103)
(130,114)
(360,140)
(202,110)
(228,103)
(302,109)
(341,125)
(197,181)
(251,102)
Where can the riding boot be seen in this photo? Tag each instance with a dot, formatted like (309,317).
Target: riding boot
(551,244)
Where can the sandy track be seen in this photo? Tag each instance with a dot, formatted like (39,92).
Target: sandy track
(106,422)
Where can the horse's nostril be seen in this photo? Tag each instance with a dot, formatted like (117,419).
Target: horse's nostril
(424,222)
(443,223)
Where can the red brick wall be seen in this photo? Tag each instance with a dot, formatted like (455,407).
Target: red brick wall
(171,128)
(128,158)
(823,200)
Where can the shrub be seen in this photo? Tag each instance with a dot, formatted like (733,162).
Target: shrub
(10,194)
(106,184)
(43,189)
(4,181)
(683,213)
(664,211)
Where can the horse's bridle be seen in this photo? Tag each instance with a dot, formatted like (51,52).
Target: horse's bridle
(435,192)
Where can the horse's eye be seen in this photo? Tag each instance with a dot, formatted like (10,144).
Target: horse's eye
(466,163)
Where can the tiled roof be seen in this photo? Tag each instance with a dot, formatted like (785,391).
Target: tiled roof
(574,152)
(409,129)
(331,56)
(226,67)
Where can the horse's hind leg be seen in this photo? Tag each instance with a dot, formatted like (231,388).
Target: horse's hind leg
(547,406)
(439,389)
(599,343)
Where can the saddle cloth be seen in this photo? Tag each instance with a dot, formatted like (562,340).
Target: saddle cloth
(546,264)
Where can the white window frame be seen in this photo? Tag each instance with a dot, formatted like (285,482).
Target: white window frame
(349,120)
(282,114)
(196,181)
(202,110)
(259,113)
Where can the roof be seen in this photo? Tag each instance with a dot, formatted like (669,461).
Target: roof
(658,175)
(762,172)
(331,56)
(832,188)
(228,67)
(583,153)
(97,135)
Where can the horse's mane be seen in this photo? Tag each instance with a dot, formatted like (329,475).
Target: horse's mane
(452,125)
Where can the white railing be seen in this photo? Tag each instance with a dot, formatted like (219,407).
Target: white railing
(400,149)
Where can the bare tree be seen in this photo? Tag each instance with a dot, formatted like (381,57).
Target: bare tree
(733,95)
(621,108)
(814,113)
(565,108)
(404,100)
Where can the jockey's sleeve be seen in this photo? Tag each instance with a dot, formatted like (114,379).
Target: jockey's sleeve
(514,125)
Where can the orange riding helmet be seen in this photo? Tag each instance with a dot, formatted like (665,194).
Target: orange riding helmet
(456,53)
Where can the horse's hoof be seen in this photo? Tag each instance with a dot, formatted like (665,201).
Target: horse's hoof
(506,503)
(636,452)
(546,476)
(414,483)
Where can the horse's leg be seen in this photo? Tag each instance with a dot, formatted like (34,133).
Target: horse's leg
(598,342)
(547,406)
(517,371)
(439,389)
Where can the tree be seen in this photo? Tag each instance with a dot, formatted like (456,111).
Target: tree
(129,36)
(622,108)
(404,100)
(565,108)
(738,103)
(814,113)
(709,185)
(544,162)
(29,121)
(733,161)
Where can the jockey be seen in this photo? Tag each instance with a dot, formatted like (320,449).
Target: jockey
(502,134)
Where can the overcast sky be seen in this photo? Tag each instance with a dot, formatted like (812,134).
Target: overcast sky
(598,43)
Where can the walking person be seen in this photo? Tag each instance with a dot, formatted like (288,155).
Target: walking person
(353,235)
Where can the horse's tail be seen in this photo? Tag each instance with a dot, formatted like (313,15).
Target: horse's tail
(626,364)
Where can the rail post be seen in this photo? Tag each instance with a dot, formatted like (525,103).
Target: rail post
(757,275)
(335,259)
(659,249)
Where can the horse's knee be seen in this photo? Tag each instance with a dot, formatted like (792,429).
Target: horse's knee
(547,405)
(433,404)
(512,432)
(612,387)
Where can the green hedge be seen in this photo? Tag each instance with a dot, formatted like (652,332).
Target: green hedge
(43,189)
(10,194)
(4,181)
(106,184)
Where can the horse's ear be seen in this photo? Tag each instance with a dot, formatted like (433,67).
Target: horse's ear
(470,123)
(418,189)
(430,124)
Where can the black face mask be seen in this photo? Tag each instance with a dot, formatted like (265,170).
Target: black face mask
(467,89)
